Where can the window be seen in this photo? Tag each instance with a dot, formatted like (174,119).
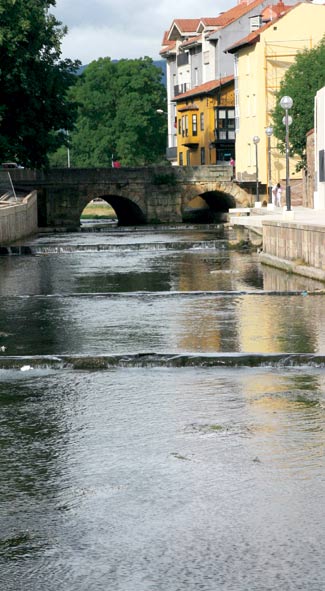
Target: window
(321,159)
(201,121)
(225,123)
(194,124)
(180,126)
(182,59)
(185,125)
(188,158)
(181,158)
(196,77)
(202,155)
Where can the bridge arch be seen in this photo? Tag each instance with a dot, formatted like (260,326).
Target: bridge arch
(219,201)
(128,212)
(209,206)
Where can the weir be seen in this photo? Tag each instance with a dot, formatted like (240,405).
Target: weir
(159,379)
(102,362)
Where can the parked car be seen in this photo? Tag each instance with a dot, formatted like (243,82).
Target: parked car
(11,165)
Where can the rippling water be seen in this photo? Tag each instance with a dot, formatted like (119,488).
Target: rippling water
(156,473)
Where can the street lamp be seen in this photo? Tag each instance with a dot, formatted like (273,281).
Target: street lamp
(286,104)
(256,140)
(289,120)
(269,133)
(68,151)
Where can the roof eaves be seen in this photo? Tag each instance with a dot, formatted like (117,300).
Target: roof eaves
(190,107)
(245,42)
(206,88)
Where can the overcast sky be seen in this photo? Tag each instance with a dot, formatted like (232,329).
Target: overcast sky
(125,28)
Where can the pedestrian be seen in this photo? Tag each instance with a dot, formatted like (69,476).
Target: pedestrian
(232,164)
(276,195)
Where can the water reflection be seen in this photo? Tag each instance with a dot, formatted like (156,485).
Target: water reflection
(154,479)
(147,478)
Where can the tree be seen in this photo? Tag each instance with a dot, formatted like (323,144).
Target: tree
(117,113)
(301,81)
(34,82)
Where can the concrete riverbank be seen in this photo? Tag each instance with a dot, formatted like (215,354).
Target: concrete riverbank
(18,218)
(293,241)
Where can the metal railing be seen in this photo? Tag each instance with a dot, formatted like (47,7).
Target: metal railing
(7,189)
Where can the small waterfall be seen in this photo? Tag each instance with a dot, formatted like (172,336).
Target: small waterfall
(145,246)
(168,360)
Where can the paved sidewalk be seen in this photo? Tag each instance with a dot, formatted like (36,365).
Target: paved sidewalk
(299,215)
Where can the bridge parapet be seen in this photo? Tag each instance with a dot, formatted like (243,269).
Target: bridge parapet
(143,174)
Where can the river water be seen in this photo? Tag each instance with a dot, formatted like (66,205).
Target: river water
(162,403)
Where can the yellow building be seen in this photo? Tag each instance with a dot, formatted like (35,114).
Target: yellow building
(205,120)
(261,60)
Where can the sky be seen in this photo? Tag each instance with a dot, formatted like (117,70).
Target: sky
(124,28)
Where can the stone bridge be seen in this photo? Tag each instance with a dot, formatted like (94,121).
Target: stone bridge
(147,195)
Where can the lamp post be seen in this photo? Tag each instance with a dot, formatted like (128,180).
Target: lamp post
(256,140)
(286,104)
(66,133)
(269,133)
(68,146)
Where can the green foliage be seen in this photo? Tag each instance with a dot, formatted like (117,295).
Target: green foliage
(301,81)
(33,82)
(117,114)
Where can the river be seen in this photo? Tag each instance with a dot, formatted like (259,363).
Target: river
(162,400)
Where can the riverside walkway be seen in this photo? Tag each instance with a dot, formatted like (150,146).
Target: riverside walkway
(293,241)
(298,215)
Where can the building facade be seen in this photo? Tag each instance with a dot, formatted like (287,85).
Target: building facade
(261,60)
(206,123)
(194,50)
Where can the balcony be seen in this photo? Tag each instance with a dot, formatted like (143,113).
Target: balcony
(189,141)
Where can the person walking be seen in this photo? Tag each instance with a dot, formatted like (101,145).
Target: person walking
(277,195)
(232,164)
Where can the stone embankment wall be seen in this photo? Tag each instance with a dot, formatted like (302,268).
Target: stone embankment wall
(298,248)
(18,219)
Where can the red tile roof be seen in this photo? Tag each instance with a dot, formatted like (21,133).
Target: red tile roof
(210,21)
(195,40)
(186,25)
(254,37)
(205,88)
(236,12)
(166,44)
